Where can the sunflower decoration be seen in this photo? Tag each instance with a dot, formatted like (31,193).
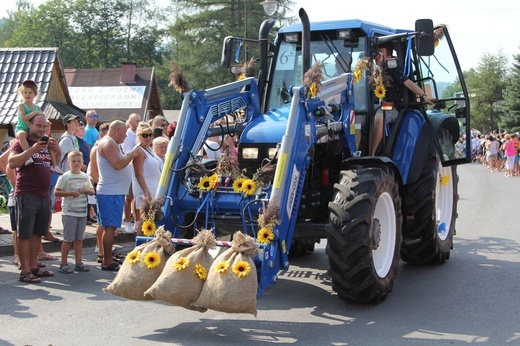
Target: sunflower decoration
(248,187)
(151,210)
(181,263)
(237,184)
(152,259)
(201,272)
(148,228)
(267,221)
(208,183)
(361,66)
(438,34)
(380,92)
(177,78)
(241,269)
(265,235)
(312,79)
(133,257)
(223,267)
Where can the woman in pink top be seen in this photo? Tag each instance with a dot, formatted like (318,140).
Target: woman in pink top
(510,152)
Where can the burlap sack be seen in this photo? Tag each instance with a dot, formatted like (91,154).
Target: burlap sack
(232,280)
(182,278)
(139,272)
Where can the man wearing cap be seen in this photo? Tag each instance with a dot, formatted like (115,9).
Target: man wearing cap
(91,133)
(68,140)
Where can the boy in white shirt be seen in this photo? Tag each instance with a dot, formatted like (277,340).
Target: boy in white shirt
(74,186)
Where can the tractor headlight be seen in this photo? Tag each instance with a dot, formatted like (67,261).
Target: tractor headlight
(250,153)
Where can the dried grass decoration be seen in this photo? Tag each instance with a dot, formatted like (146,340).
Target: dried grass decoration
(184,275)
(142,267)
(232,280)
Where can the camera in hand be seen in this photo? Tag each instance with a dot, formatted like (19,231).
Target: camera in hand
(45,139)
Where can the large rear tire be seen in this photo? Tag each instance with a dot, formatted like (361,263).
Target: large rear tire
(432,210)
(364,234)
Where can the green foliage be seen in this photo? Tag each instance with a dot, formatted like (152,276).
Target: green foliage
(510,120)
(486,86)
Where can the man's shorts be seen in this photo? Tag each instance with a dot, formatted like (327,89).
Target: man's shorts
(110,210)
(390,115)
(32,216)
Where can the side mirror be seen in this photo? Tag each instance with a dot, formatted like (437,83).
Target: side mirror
(424,37)
(228,52)
(391,63)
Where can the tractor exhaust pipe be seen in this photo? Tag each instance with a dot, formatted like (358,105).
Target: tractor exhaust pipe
(263,36)
(306,41)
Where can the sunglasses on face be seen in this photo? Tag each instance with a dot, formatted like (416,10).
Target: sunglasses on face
(94,116)
(146,135)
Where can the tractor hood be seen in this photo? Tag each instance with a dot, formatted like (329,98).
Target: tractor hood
(267,128)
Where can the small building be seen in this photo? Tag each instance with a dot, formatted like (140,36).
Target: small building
(115,93)
(43,66)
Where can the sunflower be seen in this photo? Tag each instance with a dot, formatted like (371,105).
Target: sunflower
(214,179)
(241,269)
(313,90)
(133,257)
(380,92)
(206,183)
(181,263)
(201,272)
(444,180)
(223,267)
(248,187)
(357,75)
(237,184)
(241,76)
(265,235)
(152,259)
(148,228)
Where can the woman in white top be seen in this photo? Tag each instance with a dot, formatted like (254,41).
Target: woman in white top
(147,170)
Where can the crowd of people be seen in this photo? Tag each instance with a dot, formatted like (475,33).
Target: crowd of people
(101,171)
(499,152)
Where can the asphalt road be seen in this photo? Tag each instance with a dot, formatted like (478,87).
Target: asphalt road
(472,298)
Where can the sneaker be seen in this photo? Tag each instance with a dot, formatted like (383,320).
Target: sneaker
(96,249)
(57,170)
(128,228)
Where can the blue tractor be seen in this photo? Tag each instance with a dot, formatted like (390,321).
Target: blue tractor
(373,210)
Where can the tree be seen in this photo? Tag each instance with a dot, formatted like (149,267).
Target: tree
(199,30)
(486,87)
(510,120)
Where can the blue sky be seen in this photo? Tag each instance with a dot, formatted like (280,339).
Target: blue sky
(476,26)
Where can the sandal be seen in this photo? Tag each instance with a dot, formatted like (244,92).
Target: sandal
(29,278)
(65,269)
(40,264)
(79,267)
(42,273)
(112,267)
(42,256)
(99,259)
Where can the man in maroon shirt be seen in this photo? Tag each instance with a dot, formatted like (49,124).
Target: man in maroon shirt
(32,197)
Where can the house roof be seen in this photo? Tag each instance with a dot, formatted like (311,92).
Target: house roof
(113,94)
(44,67)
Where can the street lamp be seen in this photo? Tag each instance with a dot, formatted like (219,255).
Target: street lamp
(270,6)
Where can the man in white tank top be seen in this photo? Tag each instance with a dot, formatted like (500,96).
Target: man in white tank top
(115,177)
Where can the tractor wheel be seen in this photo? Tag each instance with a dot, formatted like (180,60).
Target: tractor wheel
(432,208)
(364,234)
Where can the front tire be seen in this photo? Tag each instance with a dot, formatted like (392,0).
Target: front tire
(364,234)
(432,208)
